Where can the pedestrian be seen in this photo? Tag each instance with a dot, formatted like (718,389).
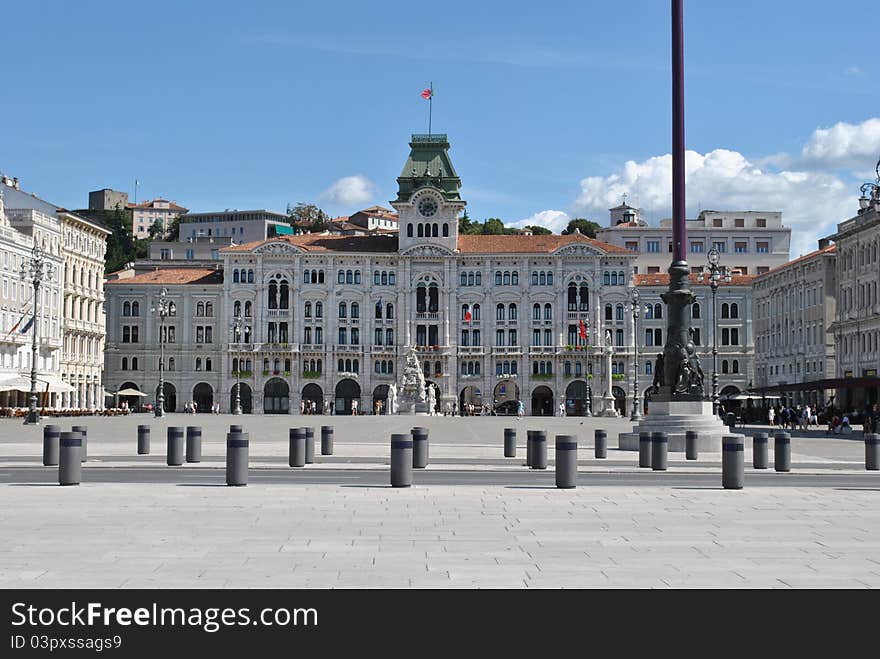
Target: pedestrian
(354,408)
(771,416)
(520,409)
(454,409)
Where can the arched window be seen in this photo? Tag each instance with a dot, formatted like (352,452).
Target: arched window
(584,298)
(200,309)
(198,363)
(421,230)
(465,310)
(476,312)
(536,312)
(725,367)
(435,230)
(549,278)
(247,309)
(725,310)
(498,278)
(506,279)
(736,366)
(609,311)
(376,278)
(614,279)
(421,299)
(357,276)
(695,310)
(342,310)
(250,277)
(384,278)
(534,279)
(389,311)
(284,292)
(464,279)
(126,310)
(514,278)
(658,311)
(409,231)
(343,336)
(308,310)
(606,279)
(649,311)
(349,277)
(499,312)
(621,279)
(572,297)
(273,295)
(208,364)
(125,363)
(511,312)
(446,230)
(479,279)
(619,312)
(618,337)
(355,310)
(340,277)
(234,365)
(235,278)
(319,310)
(734,310)
(355,336)
(548,312)
(307,276)
(389,337)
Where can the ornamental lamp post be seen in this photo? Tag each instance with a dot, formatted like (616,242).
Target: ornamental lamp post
(35,269)
(238,328)
(715,274)
(635,301)
(161,309)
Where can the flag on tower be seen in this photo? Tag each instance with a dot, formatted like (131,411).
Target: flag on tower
(582,330)
(428,93)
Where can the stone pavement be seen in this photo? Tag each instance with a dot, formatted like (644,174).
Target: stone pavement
(287,535)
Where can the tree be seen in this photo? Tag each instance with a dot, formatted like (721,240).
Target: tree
(173,233)
(493,227)
(308,216)
(586,227)
(467,227)
(538,230)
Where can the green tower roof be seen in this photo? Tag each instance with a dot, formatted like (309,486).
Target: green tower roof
(429,165)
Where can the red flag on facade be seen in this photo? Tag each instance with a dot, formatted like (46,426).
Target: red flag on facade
(467,316)
(427,94)
(582,330)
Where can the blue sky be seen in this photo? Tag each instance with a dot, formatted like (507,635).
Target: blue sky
(253,105)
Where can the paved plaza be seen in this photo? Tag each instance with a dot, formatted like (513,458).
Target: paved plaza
(473,518)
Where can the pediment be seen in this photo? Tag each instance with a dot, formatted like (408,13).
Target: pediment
(277,248)
(435,251)
(577,250)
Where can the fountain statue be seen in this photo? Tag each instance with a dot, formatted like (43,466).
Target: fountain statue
(432,400)
(412,386)
(392,399)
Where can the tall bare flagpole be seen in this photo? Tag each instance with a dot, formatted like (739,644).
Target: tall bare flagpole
(430,106)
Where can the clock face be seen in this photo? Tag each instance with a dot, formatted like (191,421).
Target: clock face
(427,207)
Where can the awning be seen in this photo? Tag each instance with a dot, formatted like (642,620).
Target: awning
(45,383)
(130,392)
(283,230)
(822,385)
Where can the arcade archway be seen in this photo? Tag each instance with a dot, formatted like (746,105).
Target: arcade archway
(470,396)
(170,392)
(542,401)
(276,397)
(577,396)
(312,393)
(246,398)
(347,392)
(203,397)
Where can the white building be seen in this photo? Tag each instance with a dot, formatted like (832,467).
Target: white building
(240,226)
(794,309)
(493,318)
(750,243)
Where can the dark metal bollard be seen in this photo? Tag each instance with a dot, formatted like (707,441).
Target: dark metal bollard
(566,462)
(510,442)
(51,446)
(659,451)
(539,450)
(237,458)
(530,447)
(297,438)
(420,447)
(235,429)
(84,431)
(326,440)
(872,452)
(193,443)
(310,445)
(174,450)
(401,460)
(760,450)
(70,458)
(645,450)
(690,445)
(732,462)
(143,440)
(782,451)
(601,441)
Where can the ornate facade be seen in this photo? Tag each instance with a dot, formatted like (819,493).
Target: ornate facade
(329,319)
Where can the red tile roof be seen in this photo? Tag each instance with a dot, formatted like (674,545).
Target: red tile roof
(516,244)
(150,205)
(318,242)
(173,276)
(662,279)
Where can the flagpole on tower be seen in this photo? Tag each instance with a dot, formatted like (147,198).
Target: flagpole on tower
(430,106)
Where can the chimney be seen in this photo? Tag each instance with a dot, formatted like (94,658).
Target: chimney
(824,243)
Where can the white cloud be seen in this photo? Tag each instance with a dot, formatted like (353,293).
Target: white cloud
(853,71)
(812,202)
(844,145)
(350,191)
(556,221)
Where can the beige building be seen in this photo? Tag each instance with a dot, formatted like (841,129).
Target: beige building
(794,308)
(751,243)
(856,329)
(159,212)
(82,362)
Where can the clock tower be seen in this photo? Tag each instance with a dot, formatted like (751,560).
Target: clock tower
(428,198)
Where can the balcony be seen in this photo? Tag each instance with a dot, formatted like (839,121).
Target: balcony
(507,350)
(470,350)
(432,350)
(428,315)
(349,348)
(278,313)
(386,350)
(542,350)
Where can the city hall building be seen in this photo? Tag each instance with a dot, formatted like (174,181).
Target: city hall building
(327,321)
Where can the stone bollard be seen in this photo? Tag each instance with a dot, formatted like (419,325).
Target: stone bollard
(732,462)
(326,440)
(174,450)
(235,429)
(760,450)
(782,451)
(530,447)
(872,452)
(310,444)
(401,460)
(143,440)
(645,450)
(566,462)
(193,443)
(691,452)
(70,458)
(84,431)
(601,444)
(297,439)
(539,450)
(510,442)
(237,458)
(420,447)
(659,451)
(51,445)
